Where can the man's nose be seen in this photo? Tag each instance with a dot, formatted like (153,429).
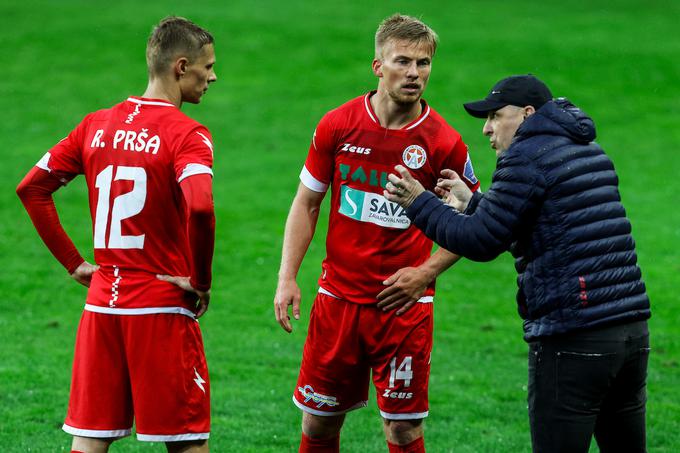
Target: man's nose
(487,129)
(412,70)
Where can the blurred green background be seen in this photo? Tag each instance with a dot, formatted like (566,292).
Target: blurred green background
(280,66)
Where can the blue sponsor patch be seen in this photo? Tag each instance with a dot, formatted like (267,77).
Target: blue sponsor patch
(469,172)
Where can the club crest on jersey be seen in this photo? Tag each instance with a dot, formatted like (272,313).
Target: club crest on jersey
(414,157)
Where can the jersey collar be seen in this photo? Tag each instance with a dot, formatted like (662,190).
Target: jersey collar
(147,101)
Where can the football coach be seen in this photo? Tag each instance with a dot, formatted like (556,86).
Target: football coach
(554,204)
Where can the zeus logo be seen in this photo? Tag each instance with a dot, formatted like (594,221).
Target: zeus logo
(397,395)
(355,149)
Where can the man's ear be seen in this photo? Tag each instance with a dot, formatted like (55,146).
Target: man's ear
(529,110)
(180,67)
(377,67)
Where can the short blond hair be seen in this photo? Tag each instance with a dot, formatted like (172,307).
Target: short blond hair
(406,28)
(171,38)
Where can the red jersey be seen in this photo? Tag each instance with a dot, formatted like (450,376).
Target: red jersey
(133,156)
(370,238)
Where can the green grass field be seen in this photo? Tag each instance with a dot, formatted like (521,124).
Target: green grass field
(281,65)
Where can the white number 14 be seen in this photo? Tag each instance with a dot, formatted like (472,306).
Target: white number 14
(124,206)
(402,372)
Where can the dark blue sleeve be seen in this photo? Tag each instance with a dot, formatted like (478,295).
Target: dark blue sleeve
(473,202)
(505,210)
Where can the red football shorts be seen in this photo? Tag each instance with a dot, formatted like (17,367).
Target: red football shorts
(148,367)
(346,341)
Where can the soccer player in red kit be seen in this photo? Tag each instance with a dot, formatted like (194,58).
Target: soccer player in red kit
(376,261)
(139,351)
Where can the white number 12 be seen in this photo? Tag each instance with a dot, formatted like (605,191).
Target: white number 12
(124,206)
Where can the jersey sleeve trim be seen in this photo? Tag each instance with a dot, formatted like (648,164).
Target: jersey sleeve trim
(194,169)
(311,182)
(44,161)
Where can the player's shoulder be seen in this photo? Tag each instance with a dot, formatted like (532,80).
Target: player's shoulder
(350,111)
(438,119)
(101,114)
(181,120)
(440,128)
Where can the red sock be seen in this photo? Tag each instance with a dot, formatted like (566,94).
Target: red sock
(417,446)
(309,445)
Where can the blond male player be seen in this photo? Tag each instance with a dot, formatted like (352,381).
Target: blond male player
(147,166)
(376,261)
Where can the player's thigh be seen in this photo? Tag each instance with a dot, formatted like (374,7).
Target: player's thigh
(169,376)
(100,404)
(400,358)
(333,375)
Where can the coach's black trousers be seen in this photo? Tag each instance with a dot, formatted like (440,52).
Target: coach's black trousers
(589,382)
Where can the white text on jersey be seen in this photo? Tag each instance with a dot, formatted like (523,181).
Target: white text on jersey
(397,395)
(355,149)
(129,141)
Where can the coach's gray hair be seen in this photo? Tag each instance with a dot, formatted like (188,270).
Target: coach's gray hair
(407,28)
(171,38)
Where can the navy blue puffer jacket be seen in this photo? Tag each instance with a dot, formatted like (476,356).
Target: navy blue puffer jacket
(554,203)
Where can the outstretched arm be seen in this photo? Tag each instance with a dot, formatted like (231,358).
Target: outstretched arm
(408,284)
(300,227)
(453,191)
(504,210)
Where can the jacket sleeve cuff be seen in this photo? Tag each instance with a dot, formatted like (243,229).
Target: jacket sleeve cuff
(419,203)
(472,204)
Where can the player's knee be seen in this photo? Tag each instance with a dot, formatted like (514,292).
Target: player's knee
(402,432)
(319,427)
(91,444)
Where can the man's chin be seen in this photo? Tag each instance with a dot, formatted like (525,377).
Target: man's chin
(406,99)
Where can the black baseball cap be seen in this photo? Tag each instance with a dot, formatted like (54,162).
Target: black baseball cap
(519,90)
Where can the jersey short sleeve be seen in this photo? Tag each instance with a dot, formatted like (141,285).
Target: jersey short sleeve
(64,160)
(318,170)
(459,161)
(195,154)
